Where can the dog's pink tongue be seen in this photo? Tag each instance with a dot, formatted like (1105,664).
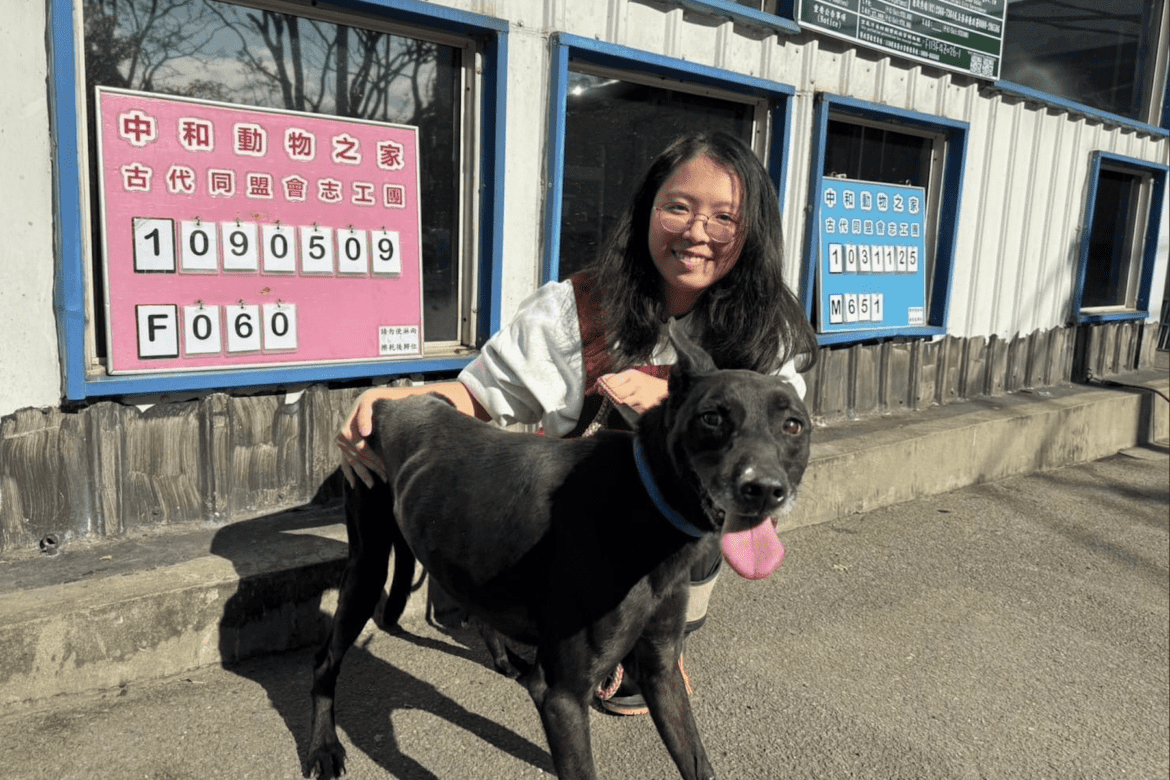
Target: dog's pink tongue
(755,553)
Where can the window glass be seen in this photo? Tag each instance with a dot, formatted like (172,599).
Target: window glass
(1096,53)
(217,51)
(1111,266)
(613,130)
(877,154)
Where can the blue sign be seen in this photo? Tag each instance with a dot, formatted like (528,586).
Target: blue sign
(872,268)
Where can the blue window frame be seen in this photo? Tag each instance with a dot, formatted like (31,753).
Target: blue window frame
(1119,241)
(773,101)
(776,15)
(943,180)
(77,306)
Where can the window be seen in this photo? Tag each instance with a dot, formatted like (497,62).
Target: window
(880,241)
(210,49)
(613,130)
(1117,252)
(394,65)
(613,110)
(877,153)
(1102,55)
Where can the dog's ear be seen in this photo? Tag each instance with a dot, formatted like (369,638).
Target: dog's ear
(692,360)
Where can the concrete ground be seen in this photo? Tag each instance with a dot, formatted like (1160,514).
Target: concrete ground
(1012,629)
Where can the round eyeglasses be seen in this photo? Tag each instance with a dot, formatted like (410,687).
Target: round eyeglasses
(677,217)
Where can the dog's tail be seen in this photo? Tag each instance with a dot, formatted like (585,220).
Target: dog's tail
(402,584)
(377,502)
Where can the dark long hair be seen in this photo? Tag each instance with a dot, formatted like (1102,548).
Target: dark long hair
(749,318)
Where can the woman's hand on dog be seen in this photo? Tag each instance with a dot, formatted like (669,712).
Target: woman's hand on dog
(634,389)
(357,459)
(356,456)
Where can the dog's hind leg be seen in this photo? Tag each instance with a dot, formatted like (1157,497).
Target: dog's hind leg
(371,535)
(498,649)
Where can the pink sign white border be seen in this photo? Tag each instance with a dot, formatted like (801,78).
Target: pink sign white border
(346,186)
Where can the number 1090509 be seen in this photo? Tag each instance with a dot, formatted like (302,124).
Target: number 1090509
(248,247)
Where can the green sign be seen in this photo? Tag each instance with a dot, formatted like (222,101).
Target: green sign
(963,35)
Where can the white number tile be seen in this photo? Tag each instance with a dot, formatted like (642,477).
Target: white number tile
(201,330)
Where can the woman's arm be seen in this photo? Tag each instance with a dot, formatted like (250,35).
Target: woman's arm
(356,456)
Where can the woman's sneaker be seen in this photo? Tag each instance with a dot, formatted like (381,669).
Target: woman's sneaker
(621,696)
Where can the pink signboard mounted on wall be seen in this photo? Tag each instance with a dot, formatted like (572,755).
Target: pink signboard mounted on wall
(240,237)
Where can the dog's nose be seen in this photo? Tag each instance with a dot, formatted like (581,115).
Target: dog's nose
(762,492)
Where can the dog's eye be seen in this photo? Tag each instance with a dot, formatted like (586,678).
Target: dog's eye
(711,418)
(793,427)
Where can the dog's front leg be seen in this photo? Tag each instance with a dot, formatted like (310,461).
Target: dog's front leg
(670,707)
(565,717)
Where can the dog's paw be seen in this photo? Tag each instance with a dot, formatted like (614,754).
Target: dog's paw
(327,762)
(504,667)
(393,629)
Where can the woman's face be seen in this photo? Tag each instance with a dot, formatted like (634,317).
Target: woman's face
(690,261)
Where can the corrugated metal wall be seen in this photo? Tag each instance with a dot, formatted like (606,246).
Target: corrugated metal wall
(1027,165)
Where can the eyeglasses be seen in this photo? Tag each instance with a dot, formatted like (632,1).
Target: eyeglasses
(677,217)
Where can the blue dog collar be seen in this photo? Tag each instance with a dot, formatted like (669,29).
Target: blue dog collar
(677,520)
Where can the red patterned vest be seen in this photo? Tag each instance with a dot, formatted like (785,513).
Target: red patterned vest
(595,351)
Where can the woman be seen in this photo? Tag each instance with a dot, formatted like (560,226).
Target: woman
(700,241)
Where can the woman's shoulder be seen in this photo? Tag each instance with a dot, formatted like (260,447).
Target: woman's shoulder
(551,296)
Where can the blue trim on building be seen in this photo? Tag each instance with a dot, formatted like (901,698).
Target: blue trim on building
(1052,101)
(857,337)
(808,268)
(1149,249)
(69,287)
(226,380)
(565,48)
(781,23)
(778,146)
(554,166)
(950,200)
(625,58)
(70,292)
(492,166)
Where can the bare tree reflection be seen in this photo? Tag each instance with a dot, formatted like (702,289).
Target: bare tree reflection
(215,50)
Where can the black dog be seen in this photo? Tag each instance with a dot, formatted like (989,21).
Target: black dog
(580,547)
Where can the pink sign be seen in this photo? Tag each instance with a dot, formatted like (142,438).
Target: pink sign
(241,237)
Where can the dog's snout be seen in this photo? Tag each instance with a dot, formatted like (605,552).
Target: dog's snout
(763,492)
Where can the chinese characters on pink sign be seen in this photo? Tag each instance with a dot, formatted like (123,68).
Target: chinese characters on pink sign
(238,237)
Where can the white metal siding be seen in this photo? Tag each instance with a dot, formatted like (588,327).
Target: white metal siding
(1026,169)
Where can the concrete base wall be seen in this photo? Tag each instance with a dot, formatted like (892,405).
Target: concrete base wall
(866,465)
(151,606)
(109,469)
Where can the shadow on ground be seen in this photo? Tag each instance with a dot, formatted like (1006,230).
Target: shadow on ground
(282,608)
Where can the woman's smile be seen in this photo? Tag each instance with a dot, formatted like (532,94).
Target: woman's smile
(690,261)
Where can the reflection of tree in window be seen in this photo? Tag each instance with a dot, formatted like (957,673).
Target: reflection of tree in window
(212,50)
(1097,53)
